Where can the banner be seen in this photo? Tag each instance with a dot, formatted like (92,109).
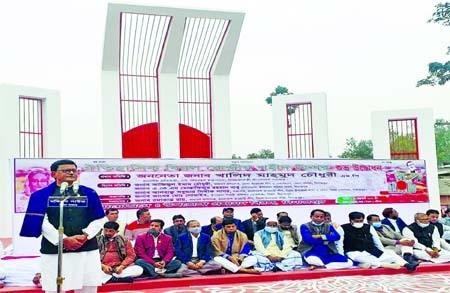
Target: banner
(187,183)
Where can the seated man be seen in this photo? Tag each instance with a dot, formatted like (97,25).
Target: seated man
(155,252)
(291,235)
(228,213)
(445,220)
(361,244)
(178,227)
(117,256)
(112,215)
(231,249)
(427,244)
(272,252)
(392,220)
(285,214)
(194,249)
(318,245)
(338,228)
(442,229)
(140,226)
(214,226)
(255,223)
(393,240)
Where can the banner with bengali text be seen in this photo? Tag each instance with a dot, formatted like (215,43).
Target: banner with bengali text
(186,183)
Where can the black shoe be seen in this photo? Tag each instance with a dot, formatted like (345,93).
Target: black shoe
(411,266)
(408,257)
(120,280)
(276,269)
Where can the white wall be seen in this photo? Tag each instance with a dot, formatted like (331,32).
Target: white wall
(426,143)
(168,82)
(9,138)
(319,123)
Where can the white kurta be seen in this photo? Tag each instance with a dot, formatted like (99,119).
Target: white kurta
(79,269)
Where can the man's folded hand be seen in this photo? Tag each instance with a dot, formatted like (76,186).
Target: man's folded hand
(72,243)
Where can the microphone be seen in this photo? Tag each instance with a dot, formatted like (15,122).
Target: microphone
(75,187)
(63,188)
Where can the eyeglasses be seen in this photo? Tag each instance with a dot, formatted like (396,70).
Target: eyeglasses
(68,171)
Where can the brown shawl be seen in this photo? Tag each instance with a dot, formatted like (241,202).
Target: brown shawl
(220,242)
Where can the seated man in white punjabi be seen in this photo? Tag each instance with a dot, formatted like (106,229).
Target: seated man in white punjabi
(394,240)
(362,244)
(318,245)
(231,249)
(272,252)
(444,231)
(427,244)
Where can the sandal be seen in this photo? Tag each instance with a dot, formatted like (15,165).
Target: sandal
(37,280)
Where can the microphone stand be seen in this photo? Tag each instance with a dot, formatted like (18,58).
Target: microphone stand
(60,278)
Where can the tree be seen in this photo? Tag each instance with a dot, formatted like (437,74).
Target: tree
(357,150)
(403,144)
(442,134)
(438,73)
(262,154)
(281,90)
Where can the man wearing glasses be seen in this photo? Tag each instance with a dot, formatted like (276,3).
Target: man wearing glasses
(427,244)
(81,258)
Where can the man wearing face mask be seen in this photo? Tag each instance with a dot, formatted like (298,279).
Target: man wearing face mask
(194,250)
(179,227)
(216,225)
(362,245)
(443,230)
(291,234)
(318,245)
(272,252)
(117,255)
(445,217)
(394,241)
(155,252)
(427,244)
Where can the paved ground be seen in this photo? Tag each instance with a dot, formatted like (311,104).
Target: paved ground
(424,282)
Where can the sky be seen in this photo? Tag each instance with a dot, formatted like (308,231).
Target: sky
(365,55)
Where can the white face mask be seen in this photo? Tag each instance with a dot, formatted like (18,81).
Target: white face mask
(271,229)
(195,230)
(358,225)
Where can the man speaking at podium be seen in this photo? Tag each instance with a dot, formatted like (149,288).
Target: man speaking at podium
(81,267)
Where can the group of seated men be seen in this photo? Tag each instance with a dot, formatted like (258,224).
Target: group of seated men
(259,244)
